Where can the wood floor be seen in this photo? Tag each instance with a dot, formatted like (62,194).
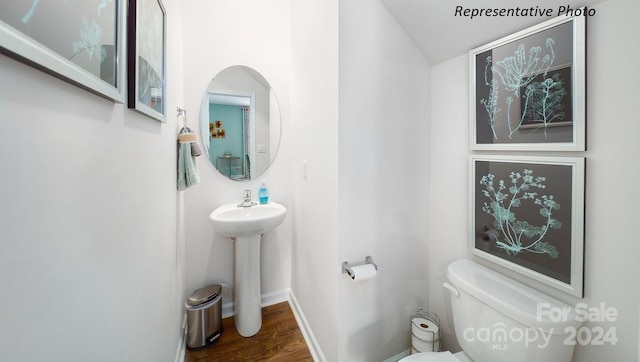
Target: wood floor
(279,339)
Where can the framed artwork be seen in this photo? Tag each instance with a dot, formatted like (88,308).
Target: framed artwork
(147,34)
(527,90)
(80,42)
(527,214)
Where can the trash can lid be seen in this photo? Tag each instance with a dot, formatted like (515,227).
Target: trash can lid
(205,294)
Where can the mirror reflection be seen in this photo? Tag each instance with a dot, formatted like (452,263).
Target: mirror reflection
(240,123)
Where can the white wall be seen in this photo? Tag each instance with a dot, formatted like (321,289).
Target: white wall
(448,187)
(611,244)
(219,34)
(314,120)
(383,180)
(89,263)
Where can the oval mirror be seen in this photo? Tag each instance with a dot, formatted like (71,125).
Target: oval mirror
(240,123)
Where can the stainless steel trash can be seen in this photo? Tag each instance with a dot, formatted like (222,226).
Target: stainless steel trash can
(204,316)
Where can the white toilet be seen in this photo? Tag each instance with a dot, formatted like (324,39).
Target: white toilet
(497,319)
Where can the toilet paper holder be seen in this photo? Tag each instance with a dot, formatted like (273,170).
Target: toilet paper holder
(346,267)
(423,337)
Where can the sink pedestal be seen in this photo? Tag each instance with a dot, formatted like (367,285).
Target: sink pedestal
(246,225)
(247,304)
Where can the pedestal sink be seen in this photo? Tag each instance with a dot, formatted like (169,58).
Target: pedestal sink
(246,225)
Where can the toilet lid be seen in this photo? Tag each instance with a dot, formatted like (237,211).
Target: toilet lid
(431,357)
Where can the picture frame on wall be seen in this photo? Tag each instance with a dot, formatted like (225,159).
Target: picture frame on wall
(527,214)
(83,43)
(147,58)
(527,90)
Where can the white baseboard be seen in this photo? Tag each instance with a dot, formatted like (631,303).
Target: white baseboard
(265,300)
(275,297)
(227,310)
(182,340)
(307,333)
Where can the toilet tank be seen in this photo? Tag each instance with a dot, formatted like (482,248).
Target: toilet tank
(499,319)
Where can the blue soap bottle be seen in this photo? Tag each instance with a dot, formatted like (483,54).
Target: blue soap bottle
(263,193)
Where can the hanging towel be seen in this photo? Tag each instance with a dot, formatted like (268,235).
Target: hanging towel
(187,135)
(187,171)
(195,149)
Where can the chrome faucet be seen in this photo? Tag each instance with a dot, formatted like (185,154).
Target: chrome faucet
(246,201)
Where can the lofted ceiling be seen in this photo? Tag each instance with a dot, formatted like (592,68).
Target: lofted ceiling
(441,36)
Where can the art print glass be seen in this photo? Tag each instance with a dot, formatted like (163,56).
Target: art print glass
(80,42)
(527,214)
(528,89)
(147,30)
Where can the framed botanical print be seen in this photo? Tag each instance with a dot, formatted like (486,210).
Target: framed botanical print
(527,214)
(80,42)
(147,34)
(527,90)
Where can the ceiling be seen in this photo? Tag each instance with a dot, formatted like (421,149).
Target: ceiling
(441,36)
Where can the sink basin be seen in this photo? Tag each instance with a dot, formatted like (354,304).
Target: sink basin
(246,225)
(231,220)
